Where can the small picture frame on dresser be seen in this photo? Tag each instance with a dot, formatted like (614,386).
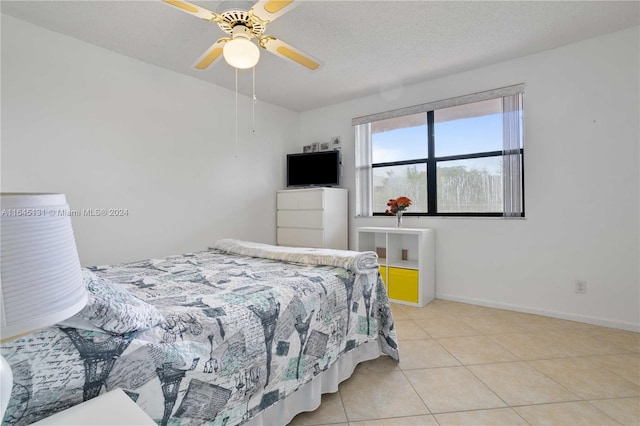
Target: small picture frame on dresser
(336,145)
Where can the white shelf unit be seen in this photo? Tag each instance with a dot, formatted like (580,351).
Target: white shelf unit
(410,281)
(313,217)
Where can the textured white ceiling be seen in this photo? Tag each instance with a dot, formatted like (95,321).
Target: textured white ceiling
(367,46)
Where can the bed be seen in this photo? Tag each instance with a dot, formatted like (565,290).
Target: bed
(242,333)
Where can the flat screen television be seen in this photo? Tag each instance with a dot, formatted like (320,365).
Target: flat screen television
(313,169)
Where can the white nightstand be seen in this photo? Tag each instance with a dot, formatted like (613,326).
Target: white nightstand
(113,408)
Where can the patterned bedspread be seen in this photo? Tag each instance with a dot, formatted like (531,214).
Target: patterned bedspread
(201,338)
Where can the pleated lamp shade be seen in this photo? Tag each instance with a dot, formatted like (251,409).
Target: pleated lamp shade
(41,280)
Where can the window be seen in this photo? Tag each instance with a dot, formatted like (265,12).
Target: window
(458,157)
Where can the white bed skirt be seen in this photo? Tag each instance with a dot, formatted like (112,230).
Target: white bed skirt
(307,397)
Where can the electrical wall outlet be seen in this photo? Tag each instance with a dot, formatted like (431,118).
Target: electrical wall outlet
(581,287)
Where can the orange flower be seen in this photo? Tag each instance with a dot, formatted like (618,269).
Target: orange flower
(400,204)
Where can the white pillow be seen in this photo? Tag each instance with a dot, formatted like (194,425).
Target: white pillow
(112,308)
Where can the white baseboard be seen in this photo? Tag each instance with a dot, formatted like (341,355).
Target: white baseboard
(622,325)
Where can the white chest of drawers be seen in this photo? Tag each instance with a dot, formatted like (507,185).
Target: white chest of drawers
(313,217)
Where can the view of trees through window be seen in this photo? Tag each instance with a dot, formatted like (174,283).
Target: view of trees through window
(465,151)
(392,182)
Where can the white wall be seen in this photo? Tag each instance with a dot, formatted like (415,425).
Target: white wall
(581,181)
(113,132)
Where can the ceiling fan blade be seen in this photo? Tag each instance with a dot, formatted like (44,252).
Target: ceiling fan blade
(268,10)
(194,10)
(211,55)
(288,52)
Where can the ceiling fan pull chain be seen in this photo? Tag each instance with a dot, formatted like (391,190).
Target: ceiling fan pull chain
(236,112)
(253,104)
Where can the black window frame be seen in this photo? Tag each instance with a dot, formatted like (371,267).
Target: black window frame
(431,163)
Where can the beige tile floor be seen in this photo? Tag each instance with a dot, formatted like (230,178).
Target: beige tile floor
(463,364)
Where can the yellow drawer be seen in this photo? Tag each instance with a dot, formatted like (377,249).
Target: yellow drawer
(403,284)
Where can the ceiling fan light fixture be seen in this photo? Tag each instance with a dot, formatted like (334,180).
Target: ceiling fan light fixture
(241,52)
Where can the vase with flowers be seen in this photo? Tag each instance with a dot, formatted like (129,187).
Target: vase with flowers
(397,207)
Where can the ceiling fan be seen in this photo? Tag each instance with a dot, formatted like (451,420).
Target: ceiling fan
(243,26)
